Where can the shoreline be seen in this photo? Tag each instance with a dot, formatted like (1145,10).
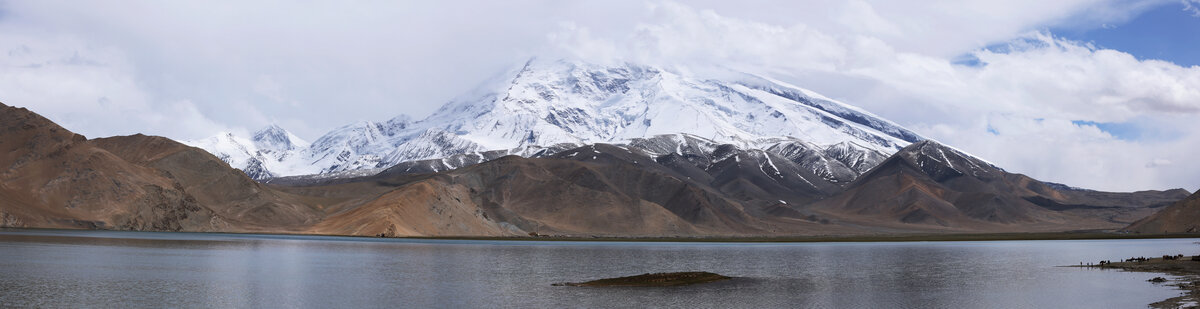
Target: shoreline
(842,238)
(1183,268)
(1067,235)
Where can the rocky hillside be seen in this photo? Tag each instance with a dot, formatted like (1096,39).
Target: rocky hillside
(593,190)
(55,178)
(1180,217)
(932,185)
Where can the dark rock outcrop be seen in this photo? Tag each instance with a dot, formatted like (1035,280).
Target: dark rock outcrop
(653,280)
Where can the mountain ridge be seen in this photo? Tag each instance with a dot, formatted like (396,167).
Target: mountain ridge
(668,185)
(1179,217)
(549,103)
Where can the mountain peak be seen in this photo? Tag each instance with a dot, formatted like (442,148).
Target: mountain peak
(579,102)
(271,128)
(931,147)
(274,137)
(401,119)
(941,162)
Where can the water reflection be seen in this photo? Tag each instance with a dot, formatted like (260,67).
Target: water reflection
(122,269)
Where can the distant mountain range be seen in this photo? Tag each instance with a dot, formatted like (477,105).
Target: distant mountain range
(559,148)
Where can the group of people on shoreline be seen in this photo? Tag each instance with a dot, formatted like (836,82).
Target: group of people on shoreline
(1142,259)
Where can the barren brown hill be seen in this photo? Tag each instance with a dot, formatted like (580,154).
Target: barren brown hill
(226,191)
(1181,217)
(55,178)
(930,186)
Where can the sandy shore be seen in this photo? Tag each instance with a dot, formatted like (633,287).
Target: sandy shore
(1186,271)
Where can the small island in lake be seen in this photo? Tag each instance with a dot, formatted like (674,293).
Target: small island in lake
(656,279)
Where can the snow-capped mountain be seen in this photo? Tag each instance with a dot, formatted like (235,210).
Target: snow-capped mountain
(355,146)
(546,103)
(271,152)
(556,105)
(275,138)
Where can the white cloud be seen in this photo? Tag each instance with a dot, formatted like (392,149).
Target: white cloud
(1191,7)
(1158,162)
(693,36)
(269,88)
(324,62)
(87,88)
(1017,111)
(576,41)
(1082,155)
(1084,82)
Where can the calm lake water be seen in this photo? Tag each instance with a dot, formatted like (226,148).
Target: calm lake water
(45,268)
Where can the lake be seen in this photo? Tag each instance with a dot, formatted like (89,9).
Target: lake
(54,268)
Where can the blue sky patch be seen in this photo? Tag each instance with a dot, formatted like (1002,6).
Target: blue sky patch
(969,60)
(1124,131)
(1167,32)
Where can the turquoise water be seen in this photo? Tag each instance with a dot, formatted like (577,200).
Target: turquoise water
(50,268)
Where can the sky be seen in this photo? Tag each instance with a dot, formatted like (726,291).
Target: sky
(1100,94)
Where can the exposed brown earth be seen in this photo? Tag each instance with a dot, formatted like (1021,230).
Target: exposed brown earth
(58,179)
(225,191)
(1181,217)
(55,178)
